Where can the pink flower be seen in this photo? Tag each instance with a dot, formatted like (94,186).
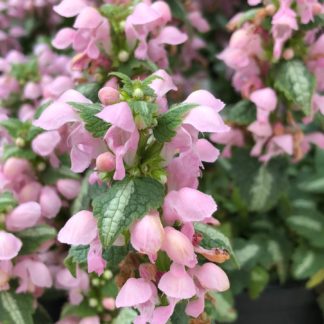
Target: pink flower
(69,188)
(177,283)
(10,245)
(24,216)
(95,261)
(80,229)
(284,22)
(179,248)
(122,137)
(32,274)
(188,205)
(147,235)
(50,202)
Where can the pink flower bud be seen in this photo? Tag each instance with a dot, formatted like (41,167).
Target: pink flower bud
(24,216)
(108,96)
(15,167)
(50,202)
(68,188)
(147,235)
(105,162)
(179,248)
(30,192)
(32,91)
(108,303)
(9,246)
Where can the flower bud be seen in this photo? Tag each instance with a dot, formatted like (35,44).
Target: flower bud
(123,56)
(147,235)
(108,303)
(179,248)
(68,188)
(50,202)
(20,142)
(138,93)
(105,162)
(288,54)
(14,167)
(93,302)
(108,95)
(30,192)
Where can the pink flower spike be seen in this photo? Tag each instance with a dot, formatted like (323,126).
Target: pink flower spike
(134,292)
(10,245)
(177,283)
(212,277)
(80,229)
(69,8)
(147,235)
(179,248)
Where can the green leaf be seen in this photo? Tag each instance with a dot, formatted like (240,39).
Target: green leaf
(125,201)
(16,308)
(313,184)
(77,256)
(50,176)
(94,125)
(316,279)
(168,123)
(247,253)
(296,83)
(308,224)
(125,316)
(220,307)
(247,16)
(144,112)
(259,185)
(34,237)
(14,151)
(177,9)
(242,113)
(306,262)
(82,310)
(90,90)
(12,125)
(179,315)
(42,316)
(7,201)
(213,238)
(259,279)
(114,255)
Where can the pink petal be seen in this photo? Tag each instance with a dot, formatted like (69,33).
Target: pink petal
(45,143)
(285,142)
(205,98)
(80,229)
(143,14)
(64,38)
(172,36)
(50,202)
(39,274)
(188,205)
(212,277)
(119,115)
(196,307)
(88,18)
(206,151)
(24,216)
(10,245)
(265,99)
(162,86)
(134,292)
(177,283)
(69,8)
(68,188)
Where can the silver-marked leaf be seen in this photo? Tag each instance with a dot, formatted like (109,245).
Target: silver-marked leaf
(124,202)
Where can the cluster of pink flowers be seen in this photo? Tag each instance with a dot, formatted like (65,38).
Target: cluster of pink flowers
(274,37)
(118,135)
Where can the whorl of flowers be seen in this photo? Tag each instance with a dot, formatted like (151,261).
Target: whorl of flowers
(97,137)
(276,54)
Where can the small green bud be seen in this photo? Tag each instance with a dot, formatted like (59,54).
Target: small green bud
(93,302)
(107,274)
(95,282)
(2,218)
(122,25)
(138,93)
(20,142)
(123,56)
(41,166)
